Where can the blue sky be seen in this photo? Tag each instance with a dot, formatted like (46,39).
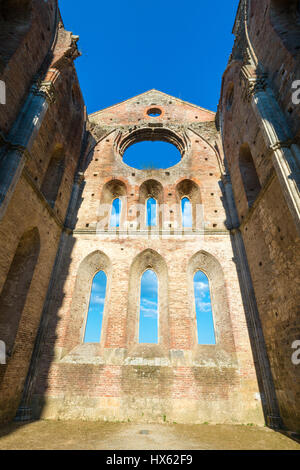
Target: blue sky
(130,46)
(96,307)
(148,320)
(148,326)
(150,155)
(205,325)
(186,211)
(116,213)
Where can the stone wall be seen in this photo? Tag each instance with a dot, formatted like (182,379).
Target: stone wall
(44,112)
(256,110)
(60,172)
(176,379)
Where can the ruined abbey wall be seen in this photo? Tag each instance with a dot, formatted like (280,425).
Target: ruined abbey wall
(60,170)
(261,122)
(42,126)
(176,379)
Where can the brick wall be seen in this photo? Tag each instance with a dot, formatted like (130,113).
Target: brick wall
(176,379)
(268,227)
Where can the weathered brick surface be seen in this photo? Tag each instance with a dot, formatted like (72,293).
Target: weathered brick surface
(28,210)
(177,378)
(27,32)
(269,230)
(67,241)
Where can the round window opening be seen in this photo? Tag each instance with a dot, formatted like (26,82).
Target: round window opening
(154,112)
(148,155)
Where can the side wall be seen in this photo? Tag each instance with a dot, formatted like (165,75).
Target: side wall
(43,118)
(257,113)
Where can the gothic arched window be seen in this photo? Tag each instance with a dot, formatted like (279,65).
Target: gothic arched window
(186,213)
(203,306)
(96,307)
(148,325)
(116,213)
(151,212)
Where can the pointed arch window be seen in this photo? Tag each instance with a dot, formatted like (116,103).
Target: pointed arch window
(96,307)
(203,306)
(186,213)
(148,325)
(151,212)
(116,213)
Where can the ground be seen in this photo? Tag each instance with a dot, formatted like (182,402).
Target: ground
(58,435)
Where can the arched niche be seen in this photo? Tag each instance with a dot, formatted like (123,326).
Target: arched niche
(285,19)
(113,189)
(54,175)
(210,266)
(15,20)
(147,260)
(229,97)
(249,175)
(150,189)
(190,190)
(16,287)
(88,268)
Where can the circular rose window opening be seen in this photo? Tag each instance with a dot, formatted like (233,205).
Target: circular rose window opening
(154,112)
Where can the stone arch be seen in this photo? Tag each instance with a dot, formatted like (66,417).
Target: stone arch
(249,175)
(285,19)
(15,19)
(148,259)
(211,267)
(190,189)
(152,134)
(17,286)
(113,189)
(151,189)
(91,264)
(54,175)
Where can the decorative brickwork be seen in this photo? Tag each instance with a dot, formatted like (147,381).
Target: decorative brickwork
(61,170)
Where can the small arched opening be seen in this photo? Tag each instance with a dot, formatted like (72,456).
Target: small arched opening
(189,197)
(249,175)
(54,175)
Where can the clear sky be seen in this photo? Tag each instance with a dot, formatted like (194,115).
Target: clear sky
(96,308)
(148,326)
(150,155)
(131,46)
(204,314)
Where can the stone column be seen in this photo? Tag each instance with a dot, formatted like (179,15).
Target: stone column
(278,137)
(78,180)
(20,140)
(257,340)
